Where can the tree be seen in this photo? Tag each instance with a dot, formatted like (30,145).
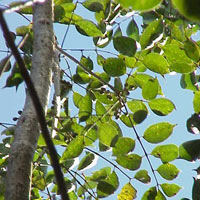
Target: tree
(104,101)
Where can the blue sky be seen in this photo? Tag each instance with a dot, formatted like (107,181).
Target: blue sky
(12,101)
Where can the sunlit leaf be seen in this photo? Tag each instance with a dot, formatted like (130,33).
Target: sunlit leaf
(100,174)
(196,102)
(188,81)
(153,30)
(156,63)
(132,30)
(108,186)
(130,161)
(150,89)
(114,66)
(128,192)
(108,134)
(123,146)
(159,132)
(85,108)
(150,194)
(77,98)
(74,149)
(139,110)
(166,153)
(125,45)
(88,28)
(143,176)
(161,106)
(170,189)
(190,150)
(86,161)
(141,5)
(168,171)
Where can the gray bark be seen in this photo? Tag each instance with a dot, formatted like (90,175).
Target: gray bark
(18,179)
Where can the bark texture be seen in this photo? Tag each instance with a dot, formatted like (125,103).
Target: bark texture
(18,180)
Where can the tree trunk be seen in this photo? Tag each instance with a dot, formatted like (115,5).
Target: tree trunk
(18,180)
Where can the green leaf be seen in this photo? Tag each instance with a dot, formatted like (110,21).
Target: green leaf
(150,89)
(141,5)
(170,189)
(125,45)
(114,67)
(153,30)
(143,176)
(130,161)
(156,63)
(128,192)
(188,81)
(118,84)
(59,13)
(150,194)
(86,160)
(160,196)
(183,67)
(161,106)
(74,149)
(77,99)
(94,5)
(139,110)
(132,30)
(106,98)
(168,171)
(88,28)
(90,136)
(190,150)
(196,102)
(123,146)
(192,50)
(108,134)
(128,120)
(85,108)
(5,65)
(100,174)
(158,132)
(166,153)
(189,9)
(129,61)
(108,186)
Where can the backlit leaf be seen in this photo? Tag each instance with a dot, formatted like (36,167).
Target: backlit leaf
(153,30)
(192,50)
(132,30)
(159,132)
(170,189)
(114,67)
(123,146)
(188,81)
(125,45)
(130,161)
(108,134)
(150,194)
(168,171)
(166,153)
(139,110)
(156,63)
(94,5)
(100,174)
(108,186)
(161,106)
(128,192)
(74,149)
(143,176)
(77,98)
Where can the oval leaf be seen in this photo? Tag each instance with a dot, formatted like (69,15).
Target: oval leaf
(114,67)
(150,89)
(161,106)
(133,30)
(131,161)
(108,134)
(125,45)
(170,189)
(196,102)
(168,171)
(139,110)
(143,176)
(128,145)
(156,63)
(158,132)
(166,153)
(86,161)
(74,149)
(128,192)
